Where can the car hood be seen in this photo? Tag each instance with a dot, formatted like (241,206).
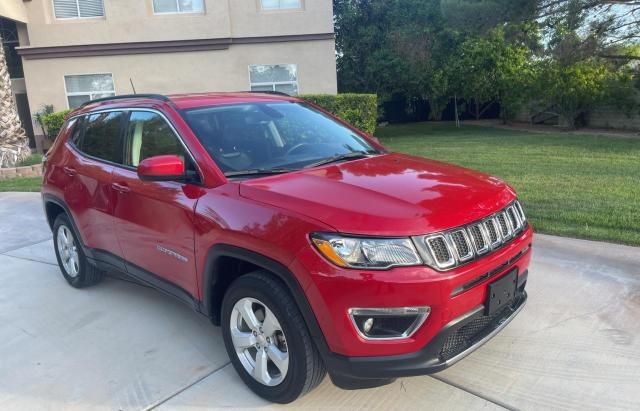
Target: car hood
(389,194)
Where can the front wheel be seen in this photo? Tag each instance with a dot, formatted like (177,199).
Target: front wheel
(267,339)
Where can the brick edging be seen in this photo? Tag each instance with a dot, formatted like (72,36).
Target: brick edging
(26,171)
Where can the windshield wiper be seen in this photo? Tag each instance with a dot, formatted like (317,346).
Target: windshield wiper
(259,171)
(341,157)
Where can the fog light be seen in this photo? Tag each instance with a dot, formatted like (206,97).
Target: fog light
(388,323)
(368,325)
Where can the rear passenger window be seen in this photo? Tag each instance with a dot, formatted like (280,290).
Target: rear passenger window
(102,136)
(149,135)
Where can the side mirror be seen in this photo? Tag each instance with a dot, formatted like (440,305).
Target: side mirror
(161,168)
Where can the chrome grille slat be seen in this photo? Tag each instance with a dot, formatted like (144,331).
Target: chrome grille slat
(461,244)
(440,251)
(505,226)
(514,217)
(455,247)
(479,238)
(493,230)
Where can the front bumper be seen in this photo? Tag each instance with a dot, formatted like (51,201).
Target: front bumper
(456,340)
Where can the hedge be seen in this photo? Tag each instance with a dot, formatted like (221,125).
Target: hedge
(359,110)
(53,122)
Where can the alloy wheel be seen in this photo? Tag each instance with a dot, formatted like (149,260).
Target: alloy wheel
(259,341)
(68,251)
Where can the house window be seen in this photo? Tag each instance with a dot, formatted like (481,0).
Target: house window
(178,6)
(78,9)
(280,77)
(85,87)
(281,4)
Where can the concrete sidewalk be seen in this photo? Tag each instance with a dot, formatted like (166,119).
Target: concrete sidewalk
(122,346)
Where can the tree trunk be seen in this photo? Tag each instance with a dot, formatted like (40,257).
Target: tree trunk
(477,108)
(14,143)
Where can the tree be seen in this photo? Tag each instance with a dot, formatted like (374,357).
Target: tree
(579,87)
(14,143)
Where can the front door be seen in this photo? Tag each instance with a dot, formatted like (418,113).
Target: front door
(154,220)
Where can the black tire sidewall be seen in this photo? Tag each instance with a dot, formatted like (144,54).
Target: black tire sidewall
(77,281)
(293,385)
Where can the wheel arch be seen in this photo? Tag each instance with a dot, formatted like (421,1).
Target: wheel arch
(214,285)
(53,207)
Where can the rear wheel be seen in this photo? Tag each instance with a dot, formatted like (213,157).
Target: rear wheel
(71,259)
(267,339)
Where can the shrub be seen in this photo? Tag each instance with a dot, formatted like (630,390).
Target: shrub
(359,110)
(32,160)
(53,122)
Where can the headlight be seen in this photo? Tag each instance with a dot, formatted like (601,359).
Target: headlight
(375,253)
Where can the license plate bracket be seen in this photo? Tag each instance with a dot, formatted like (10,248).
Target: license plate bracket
(501,292)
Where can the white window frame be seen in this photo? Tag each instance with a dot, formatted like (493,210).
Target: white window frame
(280,8)
(53,10)
(84,93)
(273,84)
(163,13)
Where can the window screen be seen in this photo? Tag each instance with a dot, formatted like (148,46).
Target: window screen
(73,9)
(281,4)
(278,77)
(85,87)
(178,6)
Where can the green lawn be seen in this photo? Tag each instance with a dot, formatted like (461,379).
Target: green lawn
(570,185)
(21,184)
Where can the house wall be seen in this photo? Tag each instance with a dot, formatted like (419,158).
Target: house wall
(14,10)
(134,21)
(215,70)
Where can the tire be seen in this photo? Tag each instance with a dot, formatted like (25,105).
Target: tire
(76,270)
(267,297)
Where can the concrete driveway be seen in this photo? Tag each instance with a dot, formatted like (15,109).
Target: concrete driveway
(122,346)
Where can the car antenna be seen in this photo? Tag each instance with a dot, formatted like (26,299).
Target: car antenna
(132,86)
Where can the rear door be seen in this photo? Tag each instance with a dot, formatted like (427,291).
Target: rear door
(154,220)
(94,148)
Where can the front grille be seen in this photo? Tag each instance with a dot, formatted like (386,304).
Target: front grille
(463,244)
(471,333)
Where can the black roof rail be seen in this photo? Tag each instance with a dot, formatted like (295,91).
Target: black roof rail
(129,97)
(277,93)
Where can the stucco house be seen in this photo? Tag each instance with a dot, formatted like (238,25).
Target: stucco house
(65,52)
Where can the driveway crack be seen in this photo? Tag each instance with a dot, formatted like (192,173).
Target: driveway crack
(183,389)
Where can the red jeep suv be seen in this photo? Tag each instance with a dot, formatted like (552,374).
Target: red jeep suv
(312,246)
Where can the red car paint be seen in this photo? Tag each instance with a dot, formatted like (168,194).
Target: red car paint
(388,195)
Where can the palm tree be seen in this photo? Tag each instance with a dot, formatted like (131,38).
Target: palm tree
(14,143)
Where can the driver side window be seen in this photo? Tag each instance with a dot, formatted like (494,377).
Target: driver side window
(149,135)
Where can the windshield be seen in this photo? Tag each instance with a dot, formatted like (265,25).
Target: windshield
(272,136)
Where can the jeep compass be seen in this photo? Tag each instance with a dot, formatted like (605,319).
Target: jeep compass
(314,248)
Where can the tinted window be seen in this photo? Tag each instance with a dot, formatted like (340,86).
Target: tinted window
(149,135)
(271,135)
(102,136)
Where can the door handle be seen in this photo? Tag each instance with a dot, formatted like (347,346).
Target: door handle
(70,171)
(121,188)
